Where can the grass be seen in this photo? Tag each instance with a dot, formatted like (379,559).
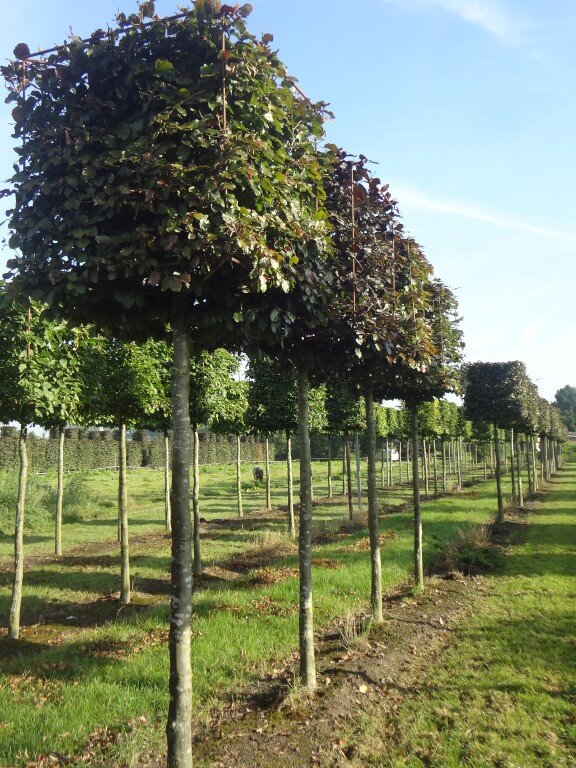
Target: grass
(89,677)
(504,693)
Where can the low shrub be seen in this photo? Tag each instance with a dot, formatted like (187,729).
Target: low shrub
(472,552)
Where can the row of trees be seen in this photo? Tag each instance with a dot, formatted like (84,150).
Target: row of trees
(170,189)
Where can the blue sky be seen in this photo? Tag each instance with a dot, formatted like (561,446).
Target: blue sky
(467,107)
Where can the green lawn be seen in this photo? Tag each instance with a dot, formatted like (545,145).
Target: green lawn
(504,693)
(88,674)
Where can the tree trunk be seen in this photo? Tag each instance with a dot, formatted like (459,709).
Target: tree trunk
(343,465)
(519,473)
(460,463)
(197,544)
(388,463)
(534,463)
(306,617)
(444,479)
(358,473)
(123,517)
(329,468)
(435,468)
(239,476)
(268,483)
(513,469)
(382,466)
(291,519)
(59,492)
(529,464)
(376,565)
(500,517)
(418,561)
(349,478)
(179,725)
(400,470)
(14,621)
(167,513)
(425,468)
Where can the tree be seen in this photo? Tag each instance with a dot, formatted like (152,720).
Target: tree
(123,385)
(565,401)
(158,185)
(273,407)
(37,371)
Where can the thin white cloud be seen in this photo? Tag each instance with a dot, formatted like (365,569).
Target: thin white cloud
(489,15)
(409,196)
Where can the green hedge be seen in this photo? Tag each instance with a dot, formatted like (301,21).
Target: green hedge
(94,449)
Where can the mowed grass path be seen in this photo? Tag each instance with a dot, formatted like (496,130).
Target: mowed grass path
(89,677)
(504,693)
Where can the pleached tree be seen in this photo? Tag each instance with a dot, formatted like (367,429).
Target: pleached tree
(157,185)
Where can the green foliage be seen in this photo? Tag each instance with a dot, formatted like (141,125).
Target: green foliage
(38,365)
(343,409)
(272,398)
(502,394)
(140,182)
(449,414)
(565,401)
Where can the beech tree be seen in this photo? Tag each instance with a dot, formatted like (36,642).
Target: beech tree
(38,375)
(166,169)
(123,386)
(498,393)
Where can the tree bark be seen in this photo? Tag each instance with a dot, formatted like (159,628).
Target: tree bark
(459,463)
(418,560)
(59,493)
(513,469)
(268,484)
(435,467)
(519,472)
(179,725)
(239,476)
(349,477)
(343,465)
(388,464)
(376,564)
(444,479)
(167,515)
(358,473)
(400,464)
(500,517)
(329,468)
(291,519)
(123,516)
(306,616)
(197,543)
(15,606)
(425,468)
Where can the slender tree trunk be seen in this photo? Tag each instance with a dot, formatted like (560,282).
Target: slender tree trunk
(435,468)
(500,517)
(400,463)
(239,476)
(291,519)
(543,458)
(492,459)
(529,464)
(519,473)
(179,725)
(197,544)
(513,469)
(343,465)
(15,606)
(376,565)
(358,473)
(418,560)
(444,478)
(388,464)
(485,464)
(306,622)
(329,467)
(534,463)
(167,513)
(459,462)
(123,516)
(60,492)
(425,468)
(349,478)
(382,466)
(268,484)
